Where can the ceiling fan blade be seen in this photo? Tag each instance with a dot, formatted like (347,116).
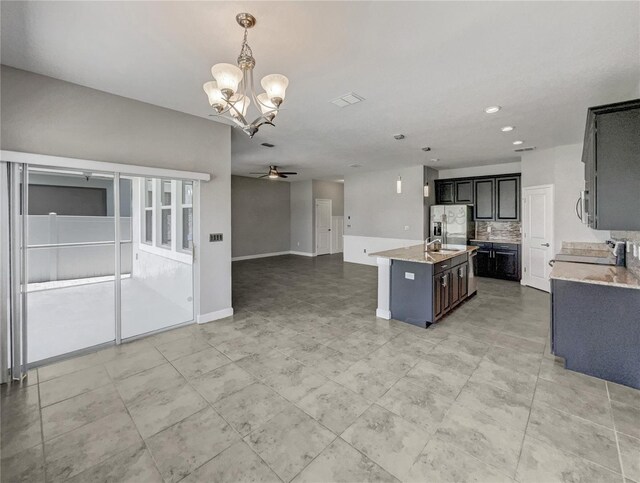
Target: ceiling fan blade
(280,175)
(263,176)
(257,173)
(287,172)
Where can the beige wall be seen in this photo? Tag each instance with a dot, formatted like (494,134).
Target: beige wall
(43,115)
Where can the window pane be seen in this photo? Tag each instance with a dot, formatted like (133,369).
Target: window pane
(187,228)
(166,227)
(148,199)
(187,192)
(148,226)
(166,193)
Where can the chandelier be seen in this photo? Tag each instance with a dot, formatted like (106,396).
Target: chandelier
(232,90)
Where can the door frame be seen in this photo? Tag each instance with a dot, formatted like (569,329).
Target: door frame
(18,328)
(525,220)
(315,224)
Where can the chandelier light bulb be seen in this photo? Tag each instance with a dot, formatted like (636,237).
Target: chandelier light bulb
(216,100)
(265,104)
(227,76)
(241,104)
(275,86)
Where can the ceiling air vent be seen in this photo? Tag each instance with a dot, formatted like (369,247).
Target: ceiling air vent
(347,100)
(528,148)
(267,145)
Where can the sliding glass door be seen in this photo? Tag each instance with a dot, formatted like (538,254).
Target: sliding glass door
(100,257)
(71,261)
(157,260)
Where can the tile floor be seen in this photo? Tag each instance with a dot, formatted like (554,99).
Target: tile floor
(304,384)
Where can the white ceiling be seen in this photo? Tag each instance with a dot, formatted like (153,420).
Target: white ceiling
(426,70)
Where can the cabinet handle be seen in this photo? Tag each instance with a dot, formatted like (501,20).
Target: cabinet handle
(444,280)
(544,244)
(444,266)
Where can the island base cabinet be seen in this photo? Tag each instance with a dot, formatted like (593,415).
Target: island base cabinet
(411,292)
(595,329)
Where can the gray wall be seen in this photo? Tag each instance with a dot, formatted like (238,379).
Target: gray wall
(330,190)
(562,167)
(302,217)
(376,210)
(93,182)
(43,115)
(260,218)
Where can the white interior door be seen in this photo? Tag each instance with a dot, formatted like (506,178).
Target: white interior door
(537,235)
(323,227)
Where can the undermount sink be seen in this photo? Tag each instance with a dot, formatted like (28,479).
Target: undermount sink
(443,250)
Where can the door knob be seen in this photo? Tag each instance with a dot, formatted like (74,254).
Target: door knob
(544,244)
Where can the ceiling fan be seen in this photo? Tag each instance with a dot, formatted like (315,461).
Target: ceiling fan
(275,174)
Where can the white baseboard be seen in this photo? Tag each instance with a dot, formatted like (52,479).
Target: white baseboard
(383,314)
(303,254)
(218,314)
(260,255)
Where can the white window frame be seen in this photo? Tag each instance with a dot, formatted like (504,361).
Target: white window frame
(174,250)
(180,213)
(145,209)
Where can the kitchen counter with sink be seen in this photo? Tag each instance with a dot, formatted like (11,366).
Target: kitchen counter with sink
(416,253)
(420,287)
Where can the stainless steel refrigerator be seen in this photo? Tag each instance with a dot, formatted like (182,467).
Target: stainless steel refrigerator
(452,223)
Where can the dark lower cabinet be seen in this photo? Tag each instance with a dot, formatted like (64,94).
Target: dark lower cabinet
(483,263)
(497,260)
(463,281)
(506,264)
(595,329)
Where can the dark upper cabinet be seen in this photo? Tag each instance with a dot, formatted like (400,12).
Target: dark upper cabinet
(611,153)
(446,192)
(507,199)
(484,195)
(464,192)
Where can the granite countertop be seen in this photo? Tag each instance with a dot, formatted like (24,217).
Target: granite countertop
(595,274)
(417,254)
(496,240)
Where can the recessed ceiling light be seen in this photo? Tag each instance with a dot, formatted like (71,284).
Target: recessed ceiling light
(426,149)
(398,137)
(518,143)
(492,109)
(507,129)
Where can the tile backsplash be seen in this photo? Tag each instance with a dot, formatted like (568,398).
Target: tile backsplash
(633,263)
(500,230)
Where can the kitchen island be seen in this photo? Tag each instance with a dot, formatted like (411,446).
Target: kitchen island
(420,287)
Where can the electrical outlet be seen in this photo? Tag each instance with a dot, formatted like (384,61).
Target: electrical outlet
(298,243)
(489,229)
(406,227)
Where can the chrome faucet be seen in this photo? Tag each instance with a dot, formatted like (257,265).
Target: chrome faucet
(436,243)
